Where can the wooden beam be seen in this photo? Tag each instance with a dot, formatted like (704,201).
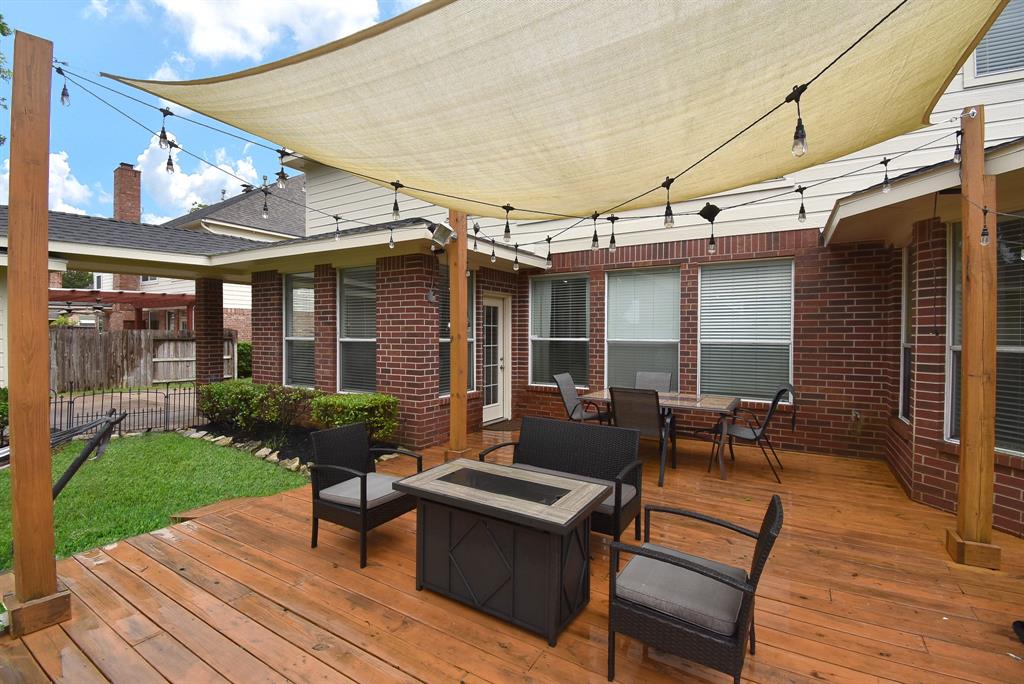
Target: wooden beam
(37,600)
(971,542)
(458,262)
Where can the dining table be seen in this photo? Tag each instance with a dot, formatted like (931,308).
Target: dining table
(717,404)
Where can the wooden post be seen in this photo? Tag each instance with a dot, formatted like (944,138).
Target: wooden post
(458,262)
(38,600)
(971,542)
(139,323)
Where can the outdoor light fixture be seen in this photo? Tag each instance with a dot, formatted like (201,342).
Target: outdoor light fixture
(391,238)
(266,209)
(164,141)
(800,134)
(281,175)
(395,214)
(515,264)
(985,239)
(476,232)
(494,257)
(709,213)
(669,219)
(337,227)
(801,215)
(957,158)
(169,166)
(593,242)
(507,237)
(886,186)
(547,261)
(65,96)
(441,234)
(611,243)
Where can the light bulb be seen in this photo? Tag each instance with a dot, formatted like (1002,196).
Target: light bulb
(547,259)
(669,219)
(65,96)
(515,264)
(611,245)
(985,240)
(169,167)
(802,214)
(712,247)
(164,142)
(395,214)
(468,273)
(391,240)
(799,139)
(281,178)
(886,186)
(266,210)
(593,242)
(507,237)
(494,257)
(956,154)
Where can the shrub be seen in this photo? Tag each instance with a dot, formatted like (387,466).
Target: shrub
(238,403)
(245,359)
(4,412)
(378,411)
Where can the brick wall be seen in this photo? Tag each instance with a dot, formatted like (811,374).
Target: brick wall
(239,320)
(325,326)
(209,330)
(267,333)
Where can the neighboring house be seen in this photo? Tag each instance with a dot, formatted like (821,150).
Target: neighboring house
(856,306)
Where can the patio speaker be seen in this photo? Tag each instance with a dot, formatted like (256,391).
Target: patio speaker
(441,234)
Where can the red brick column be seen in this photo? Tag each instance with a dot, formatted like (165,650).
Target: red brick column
(267,330)
(325,326)
(209,331)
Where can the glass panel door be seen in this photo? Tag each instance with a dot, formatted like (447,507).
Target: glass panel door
(492,349)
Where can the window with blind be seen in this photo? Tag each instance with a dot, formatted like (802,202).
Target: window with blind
(298,330)
(906,333)
(559,328)
(746,328)
(642,331)
(357,329)
(445,343)
(1008,244)
(1002,49)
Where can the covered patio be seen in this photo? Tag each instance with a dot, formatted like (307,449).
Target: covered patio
(860,589)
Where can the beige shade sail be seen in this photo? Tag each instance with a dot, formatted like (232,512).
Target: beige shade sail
(572,106)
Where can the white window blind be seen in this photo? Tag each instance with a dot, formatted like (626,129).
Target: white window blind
(298,330)
(559,328)
(642,325)
(1009,334)
(357,329)
(1002,48)
(445,336)
(746,328)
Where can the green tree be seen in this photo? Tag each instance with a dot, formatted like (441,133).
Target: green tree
(197,205)
(76,280)
(5,73)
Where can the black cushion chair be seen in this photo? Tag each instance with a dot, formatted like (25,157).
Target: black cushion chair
(574,406)
(692,607)
(595,453)
(348,490)
(640,409)
(756,431)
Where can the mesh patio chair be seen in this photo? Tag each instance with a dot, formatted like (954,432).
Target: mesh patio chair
(756,432)
(640,410)
(692,607)
(651,380)
(574,406)
(348,490)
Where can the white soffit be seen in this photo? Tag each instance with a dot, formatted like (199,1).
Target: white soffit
(577,105)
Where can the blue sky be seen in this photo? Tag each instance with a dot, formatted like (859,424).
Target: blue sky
(164,39)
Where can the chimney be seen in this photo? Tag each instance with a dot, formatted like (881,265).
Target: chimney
(127,193)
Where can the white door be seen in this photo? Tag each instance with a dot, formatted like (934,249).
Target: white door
(495,374)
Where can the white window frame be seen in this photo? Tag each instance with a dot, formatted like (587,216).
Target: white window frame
(792,322)
(904,342)
(679,327)
(285,338)
(973,80)
(531,337)
(470,338)
(148,279)
(337,330)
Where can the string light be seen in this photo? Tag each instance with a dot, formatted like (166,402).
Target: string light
(281,175)
(611,243)
(515,264)
(169,166)
(957,157)
(593,242)
(391,237)
(669,220)
(65,96)
(547,261)
(709,213)
(507,237)
(476,232)
(801,215)
(337,227)
(886,186)
(494,257)
(164,142)
(266,194)
(395,214)
(799,147)
(985,240)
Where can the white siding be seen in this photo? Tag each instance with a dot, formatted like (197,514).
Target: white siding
(236,296)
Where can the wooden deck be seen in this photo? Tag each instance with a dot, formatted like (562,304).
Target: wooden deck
(859,589)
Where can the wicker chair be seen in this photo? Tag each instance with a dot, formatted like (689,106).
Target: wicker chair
(348,490)
(651,380)
(756,432)
(695,608)
(595,453)
(574,406)
(639,409)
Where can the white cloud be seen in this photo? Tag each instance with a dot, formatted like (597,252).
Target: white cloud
(135,10)
(246,29)
(5,180)
(65,190)
(178,191)
(155,219)
(97,8)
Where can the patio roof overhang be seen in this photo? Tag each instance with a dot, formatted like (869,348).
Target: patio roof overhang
(573,107)
(872,214)
(137,298)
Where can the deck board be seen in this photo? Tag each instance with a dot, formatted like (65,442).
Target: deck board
(859,589)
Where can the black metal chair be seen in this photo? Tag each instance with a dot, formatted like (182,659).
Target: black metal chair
(595,453)
(652,380)
(641,410)
(574,406)
(692,607)
(348,490)
(756,432)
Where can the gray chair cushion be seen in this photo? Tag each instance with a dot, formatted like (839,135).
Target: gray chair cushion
(608,505)
(686,595)
(378,491)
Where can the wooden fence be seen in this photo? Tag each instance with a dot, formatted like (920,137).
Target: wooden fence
(82,358)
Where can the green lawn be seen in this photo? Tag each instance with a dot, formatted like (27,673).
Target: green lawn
(138,483)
